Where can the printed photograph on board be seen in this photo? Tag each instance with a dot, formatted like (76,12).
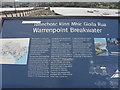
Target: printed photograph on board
(101,46)
(114,45)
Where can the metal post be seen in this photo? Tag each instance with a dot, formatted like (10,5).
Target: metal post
(15,7)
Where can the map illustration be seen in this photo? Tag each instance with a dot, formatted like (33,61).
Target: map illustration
(14,51)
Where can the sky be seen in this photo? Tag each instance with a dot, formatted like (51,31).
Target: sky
(100,39)
(60,0)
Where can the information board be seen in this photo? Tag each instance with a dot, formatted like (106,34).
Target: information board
(60,53)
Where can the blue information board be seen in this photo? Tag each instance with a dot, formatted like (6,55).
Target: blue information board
(60,53)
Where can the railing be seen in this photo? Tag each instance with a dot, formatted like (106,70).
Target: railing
(18,13)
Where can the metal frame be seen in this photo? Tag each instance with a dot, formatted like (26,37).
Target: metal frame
(62,17)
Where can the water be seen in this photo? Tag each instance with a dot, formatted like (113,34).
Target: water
(105,54)
(68,11)
(22,60)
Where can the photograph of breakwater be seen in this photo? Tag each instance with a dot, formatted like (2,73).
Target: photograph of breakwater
(101,46)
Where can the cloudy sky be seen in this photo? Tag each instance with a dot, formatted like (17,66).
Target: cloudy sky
(61,0)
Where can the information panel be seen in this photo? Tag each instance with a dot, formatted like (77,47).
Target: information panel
(60,53)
